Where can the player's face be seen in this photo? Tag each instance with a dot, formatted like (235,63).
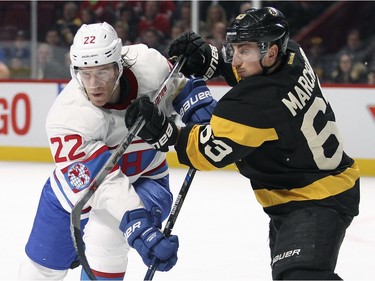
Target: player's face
(246,57)
(99,82)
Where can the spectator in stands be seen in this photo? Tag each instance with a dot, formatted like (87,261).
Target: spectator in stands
(18,70)
(218,37)
(355,47)
(137,7)
(102,10)
(176,30)
(153,38)
(244,6)
(65,73)
(4,69)
(152,17)
(129,16)
(215,13)
(168,7)
(182,17)
(371,58)
(317,57)
(54,41)
(88,16)
(240,8)
(371,77)
(47,68)
(348,71)
(20,49)
(69,24)
(122,30)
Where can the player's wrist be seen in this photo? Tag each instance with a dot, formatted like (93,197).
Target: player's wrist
(168,137)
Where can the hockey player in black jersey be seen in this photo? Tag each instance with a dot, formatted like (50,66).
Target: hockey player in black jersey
(279,130)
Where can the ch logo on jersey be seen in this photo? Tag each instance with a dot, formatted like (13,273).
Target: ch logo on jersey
(79,176)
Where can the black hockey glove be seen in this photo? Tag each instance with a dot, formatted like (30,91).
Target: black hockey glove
(158,130)
(202,59)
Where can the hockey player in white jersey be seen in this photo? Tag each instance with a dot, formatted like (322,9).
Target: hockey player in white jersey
(84,125)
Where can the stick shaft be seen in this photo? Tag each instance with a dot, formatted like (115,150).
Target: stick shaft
(173,216)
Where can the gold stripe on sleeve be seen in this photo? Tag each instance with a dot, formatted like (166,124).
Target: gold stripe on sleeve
(196,158)
(241,134)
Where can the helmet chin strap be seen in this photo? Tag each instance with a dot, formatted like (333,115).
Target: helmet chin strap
(269,69)
(265,69)
(120,65)
(121,69)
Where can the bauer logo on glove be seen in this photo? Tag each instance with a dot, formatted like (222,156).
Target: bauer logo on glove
(195,103)
(148,240)
(164,138)
(132,228)
(193,100)
(158,130)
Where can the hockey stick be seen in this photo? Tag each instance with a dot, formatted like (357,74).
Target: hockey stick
(173,216)
(75,217)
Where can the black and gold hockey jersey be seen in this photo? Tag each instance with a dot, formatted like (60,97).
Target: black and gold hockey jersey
(281,133)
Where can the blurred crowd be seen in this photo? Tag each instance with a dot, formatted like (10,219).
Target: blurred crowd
(353,63)
(157,23)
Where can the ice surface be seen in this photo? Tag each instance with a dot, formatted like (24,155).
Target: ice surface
(222,229)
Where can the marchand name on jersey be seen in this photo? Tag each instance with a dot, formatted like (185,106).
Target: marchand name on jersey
(303,90)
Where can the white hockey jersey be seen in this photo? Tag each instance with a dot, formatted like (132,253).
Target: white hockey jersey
(82,137)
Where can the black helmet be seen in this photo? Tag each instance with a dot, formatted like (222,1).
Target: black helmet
(264,25)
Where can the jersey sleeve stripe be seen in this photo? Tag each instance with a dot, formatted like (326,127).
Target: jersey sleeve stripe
(196,158)
(242,134)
